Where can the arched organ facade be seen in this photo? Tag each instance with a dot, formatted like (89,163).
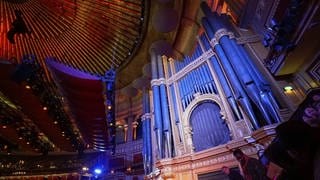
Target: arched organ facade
(211,101)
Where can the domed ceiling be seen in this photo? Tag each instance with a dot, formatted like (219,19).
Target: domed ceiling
(90,35)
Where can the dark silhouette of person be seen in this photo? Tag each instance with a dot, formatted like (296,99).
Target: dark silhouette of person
(301,143)
(18,26)
(252,168)
(231,173)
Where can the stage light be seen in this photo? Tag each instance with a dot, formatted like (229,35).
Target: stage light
(97,171)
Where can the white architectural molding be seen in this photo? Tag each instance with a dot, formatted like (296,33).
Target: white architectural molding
(196,63)
(158,82)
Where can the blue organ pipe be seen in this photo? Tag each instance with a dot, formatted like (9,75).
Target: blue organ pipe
(194,81)
(205,42)
(149,145)
(226,88)
(218,69)
(187,83)
(186,87)
(202,80)
(164,100)
(253,70)
(198,80)
(166,126)
(148,131)
(157,105)
(240,69)
(206,78)
(203,47)
(261,83)
(181,93)
(154,68)
(158,118)
(234,82)
(194,85)
(212,83)
(156,95)
(188,90)
(147,151)
(181,88)
(234,58)
(174,101)
(265,85)
(144,147)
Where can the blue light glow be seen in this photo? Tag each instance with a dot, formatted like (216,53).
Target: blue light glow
(97,171)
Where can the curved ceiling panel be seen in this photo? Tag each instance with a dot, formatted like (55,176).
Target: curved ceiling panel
(85,96)
(91,35)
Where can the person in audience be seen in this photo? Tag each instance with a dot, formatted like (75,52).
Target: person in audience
(231,173)
(252,168)
(300,143)
(311,114)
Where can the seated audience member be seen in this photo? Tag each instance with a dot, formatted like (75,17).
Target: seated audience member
(311,114)
(299,142)
(232,174)
(251,167)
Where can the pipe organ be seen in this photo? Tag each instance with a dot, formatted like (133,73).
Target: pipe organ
(208,100)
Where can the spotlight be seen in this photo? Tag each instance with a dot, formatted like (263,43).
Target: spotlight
(97,171)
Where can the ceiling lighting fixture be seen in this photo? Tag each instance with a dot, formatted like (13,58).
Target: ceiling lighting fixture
(288,88)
